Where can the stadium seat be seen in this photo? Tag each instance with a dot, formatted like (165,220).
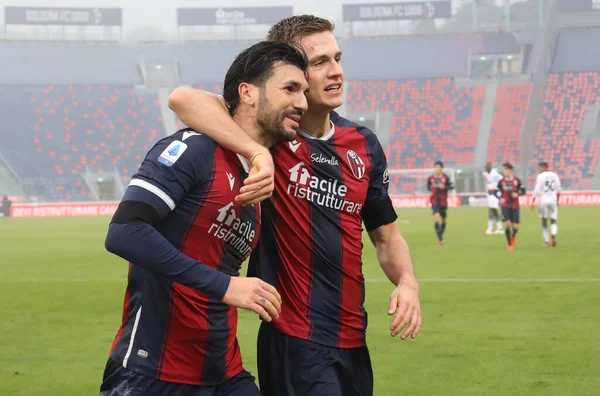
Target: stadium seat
(505,135)
(71,129)
(431,119)
(76,128)
(558,141)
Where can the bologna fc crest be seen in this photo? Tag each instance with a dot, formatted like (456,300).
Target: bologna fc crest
(356,164)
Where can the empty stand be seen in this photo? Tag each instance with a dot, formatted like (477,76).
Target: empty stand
(505,135)
(432,118)
(68,129)
(558,142)
(53,134)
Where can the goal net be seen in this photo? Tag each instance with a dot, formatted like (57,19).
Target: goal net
(414,181)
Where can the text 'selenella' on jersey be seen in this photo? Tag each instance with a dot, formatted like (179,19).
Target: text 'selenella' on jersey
(321,159)
(327,193)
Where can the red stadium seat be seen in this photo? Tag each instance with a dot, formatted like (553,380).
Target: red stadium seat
(505,135)
(432,118)
(558,141)
(77,138)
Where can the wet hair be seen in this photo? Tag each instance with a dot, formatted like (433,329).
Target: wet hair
(255,65)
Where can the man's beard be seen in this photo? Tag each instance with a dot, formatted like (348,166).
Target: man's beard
(271,121)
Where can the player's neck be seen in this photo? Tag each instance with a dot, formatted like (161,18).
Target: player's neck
(316,122)
(248,124)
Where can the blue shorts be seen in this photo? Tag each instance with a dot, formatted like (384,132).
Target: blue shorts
(510,214)
(119,381)
(290,366)
(442,210)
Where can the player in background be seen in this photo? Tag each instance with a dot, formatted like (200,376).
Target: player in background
(492,178)
(509,189)
(439,184)
(547,187)
(329,181)
(185,238)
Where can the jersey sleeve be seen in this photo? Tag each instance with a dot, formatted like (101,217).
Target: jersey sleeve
(171,169)
(378,209)
(449,185)
(521,188)
(379,180)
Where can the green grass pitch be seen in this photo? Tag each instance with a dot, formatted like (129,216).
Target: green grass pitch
(495,322)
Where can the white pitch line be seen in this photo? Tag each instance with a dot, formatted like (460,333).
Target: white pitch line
(495,280)
(373,280)
(56,280)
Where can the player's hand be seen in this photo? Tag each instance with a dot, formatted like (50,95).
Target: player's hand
(261,180)
(515,195)
(502,201)
(255,295)
(404,302)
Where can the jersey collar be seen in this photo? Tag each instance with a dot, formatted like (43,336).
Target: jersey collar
(327,136)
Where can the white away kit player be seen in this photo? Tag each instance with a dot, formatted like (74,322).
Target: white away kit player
(547,187)
(492,178)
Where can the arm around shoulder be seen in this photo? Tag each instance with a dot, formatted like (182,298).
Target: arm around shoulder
(206,113)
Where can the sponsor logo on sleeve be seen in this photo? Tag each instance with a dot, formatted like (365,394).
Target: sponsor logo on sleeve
(386,176)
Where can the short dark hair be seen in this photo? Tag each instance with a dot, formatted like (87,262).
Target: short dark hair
(543,164)
(254,65)
(508,165)
(294,28)
(440,163)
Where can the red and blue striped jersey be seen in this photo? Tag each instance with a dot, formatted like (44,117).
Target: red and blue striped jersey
(506,188)
(169,331)
(439,196)
(311,241)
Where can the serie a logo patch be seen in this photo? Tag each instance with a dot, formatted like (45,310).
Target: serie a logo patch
(172,153)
